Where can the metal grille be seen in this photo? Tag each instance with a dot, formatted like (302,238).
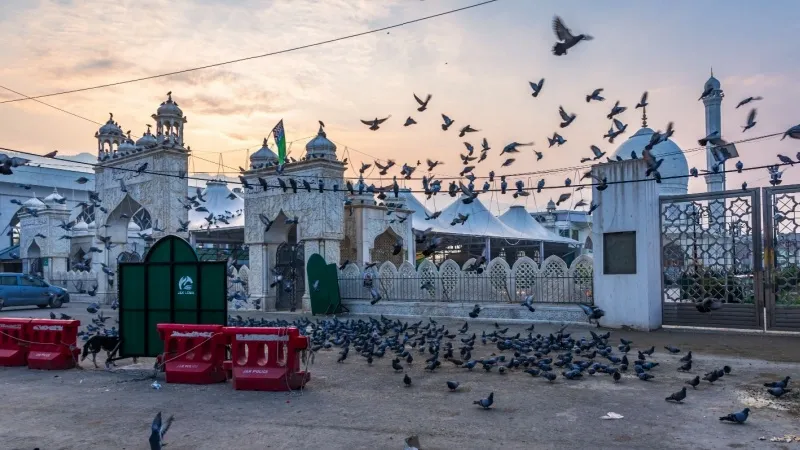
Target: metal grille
(290,260)
(782,257)
(711,252)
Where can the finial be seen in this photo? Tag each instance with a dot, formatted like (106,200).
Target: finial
(110,117)
(129,134)
(169,96)
(712,71)
(265,143)
(148,128)
(644,116)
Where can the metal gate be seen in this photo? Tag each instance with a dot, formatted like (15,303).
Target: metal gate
(290,260)
(711,260)
(782,257)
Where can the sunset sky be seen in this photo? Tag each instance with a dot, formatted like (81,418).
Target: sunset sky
(476,63)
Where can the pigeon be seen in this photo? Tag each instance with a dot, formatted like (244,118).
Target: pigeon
(687,366)
(748,100)
(158,431)
(595,95)
(407,380)
(82,180)
(643,102)
(566,119)
(374,124)
(751,120)
(672,349)
(485,403)
(706,92)
(781,384)
(592,312)
(452,385)
(566,38)
(678,396)
(777,392)
(793,133)
(409,121)
(465,130)
(616,110)
(447,122)
(687,357)
(423,105)
(536,87)
(739,417)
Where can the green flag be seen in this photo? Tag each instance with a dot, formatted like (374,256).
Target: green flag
(280,140)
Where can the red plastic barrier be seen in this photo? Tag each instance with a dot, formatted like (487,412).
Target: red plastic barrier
(13,342)
(267,359)
(54,344)
(193,353)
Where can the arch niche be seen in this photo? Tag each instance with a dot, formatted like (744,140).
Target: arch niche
(33,262)
(383,246)
(119,218)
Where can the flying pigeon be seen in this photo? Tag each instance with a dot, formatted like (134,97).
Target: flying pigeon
(423,105)
(567,119)
(536,87)
(643,102)
(566,38)
(595,95)
(447,122)
(751,120)
(748,100)
(375,123)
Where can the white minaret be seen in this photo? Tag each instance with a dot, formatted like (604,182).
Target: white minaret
(715,182)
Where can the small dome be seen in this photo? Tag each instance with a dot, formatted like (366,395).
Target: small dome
(674,160)
(321,146)
(34,203)
(133,227)
(80,227)
(169,107)
(713,82)
(55,197)
(551,205)
(127,145)
(147,139)
(110,128)
(264,155)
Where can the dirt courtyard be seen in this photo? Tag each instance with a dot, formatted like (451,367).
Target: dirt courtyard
(356,406)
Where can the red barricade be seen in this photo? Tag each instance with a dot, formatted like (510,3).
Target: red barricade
(13,342)
(193,353)
(53,344)
(267,359)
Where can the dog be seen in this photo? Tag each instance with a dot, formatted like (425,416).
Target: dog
(99,342)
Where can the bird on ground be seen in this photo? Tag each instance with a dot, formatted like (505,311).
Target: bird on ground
(779,384)
(452,385)
(777,392)
(672,349)
(592,312)
(485,403)
(406,380)
(677,396)
(739,417)
(566,39)
(158,431)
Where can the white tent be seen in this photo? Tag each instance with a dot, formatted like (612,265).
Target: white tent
(520,220)
(481,221)
(418,218)
(222,203)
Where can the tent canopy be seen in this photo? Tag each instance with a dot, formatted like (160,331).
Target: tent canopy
(519,219)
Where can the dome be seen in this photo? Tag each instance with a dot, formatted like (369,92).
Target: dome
(34,203)
(127,145)
(321,146)
(110,127)
(147,139)
(674,160)
(551,205)
(132,227)
(264,155)
(713,82)
(169,107)
(80,227)
(55,200)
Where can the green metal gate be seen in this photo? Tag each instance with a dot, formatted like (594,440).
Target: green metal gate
(169,286)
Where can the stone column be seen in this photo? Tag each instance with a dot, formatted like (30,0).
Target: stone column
(630,298)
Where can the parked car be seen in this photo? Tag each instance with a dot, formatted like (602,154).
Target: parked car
(18,289)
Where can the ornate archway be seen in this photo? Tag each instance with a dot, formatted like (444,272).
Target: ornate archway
(120,217)
(32,264)
(383,247)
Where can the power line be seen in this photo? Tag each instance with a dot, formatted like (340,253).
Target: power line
(264,55)
(376,190)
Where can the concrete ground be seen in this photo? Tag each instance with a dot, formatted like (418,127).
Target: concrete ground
(355,406)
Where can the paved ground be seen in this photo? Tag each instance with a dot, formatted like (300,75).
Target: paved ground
(354,406)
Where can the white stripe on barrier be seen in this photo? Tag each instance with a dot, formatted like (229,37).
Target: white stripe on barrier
(262,337)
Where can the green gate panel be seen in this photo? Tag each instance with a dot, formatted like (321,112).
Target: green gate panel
(170,286)
(325,299)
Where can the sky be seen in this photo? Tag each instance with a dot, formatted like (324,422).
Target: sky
(475,63)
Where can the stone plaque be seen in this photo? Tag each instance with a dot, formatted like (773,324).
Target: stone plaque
(619,253)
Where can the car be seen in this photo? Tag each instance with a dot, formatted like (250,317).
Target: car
(19,289)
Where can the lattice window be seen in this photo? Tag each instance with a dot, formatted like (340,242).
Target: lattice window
(581,274)
(524,274)
(86,214)
(142,219)
(450,275)
(383,247)
(554,280)
(387,277)
(498,279)
(428,276)
(346,251)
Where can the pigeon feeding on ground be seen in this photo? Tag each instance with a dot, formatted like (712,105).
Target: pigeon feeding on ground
(739,417)
(485,403)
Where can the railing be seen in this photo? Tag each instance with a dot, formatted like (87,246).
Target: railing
(553,282)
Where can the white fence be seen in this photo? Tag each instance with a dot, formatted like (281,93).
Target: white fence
(552,282)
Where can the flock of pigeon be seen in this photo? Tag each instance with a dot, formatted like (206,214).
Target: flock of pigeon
(549,357)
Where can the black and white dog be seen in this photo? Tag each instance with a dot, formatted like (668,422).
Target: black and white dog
(99,342)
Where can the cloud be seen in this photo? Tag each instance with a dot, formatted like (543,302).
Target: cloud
(759,79)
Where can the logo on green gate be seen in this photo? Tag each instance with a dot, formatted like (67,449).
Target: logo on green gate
(185,286)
